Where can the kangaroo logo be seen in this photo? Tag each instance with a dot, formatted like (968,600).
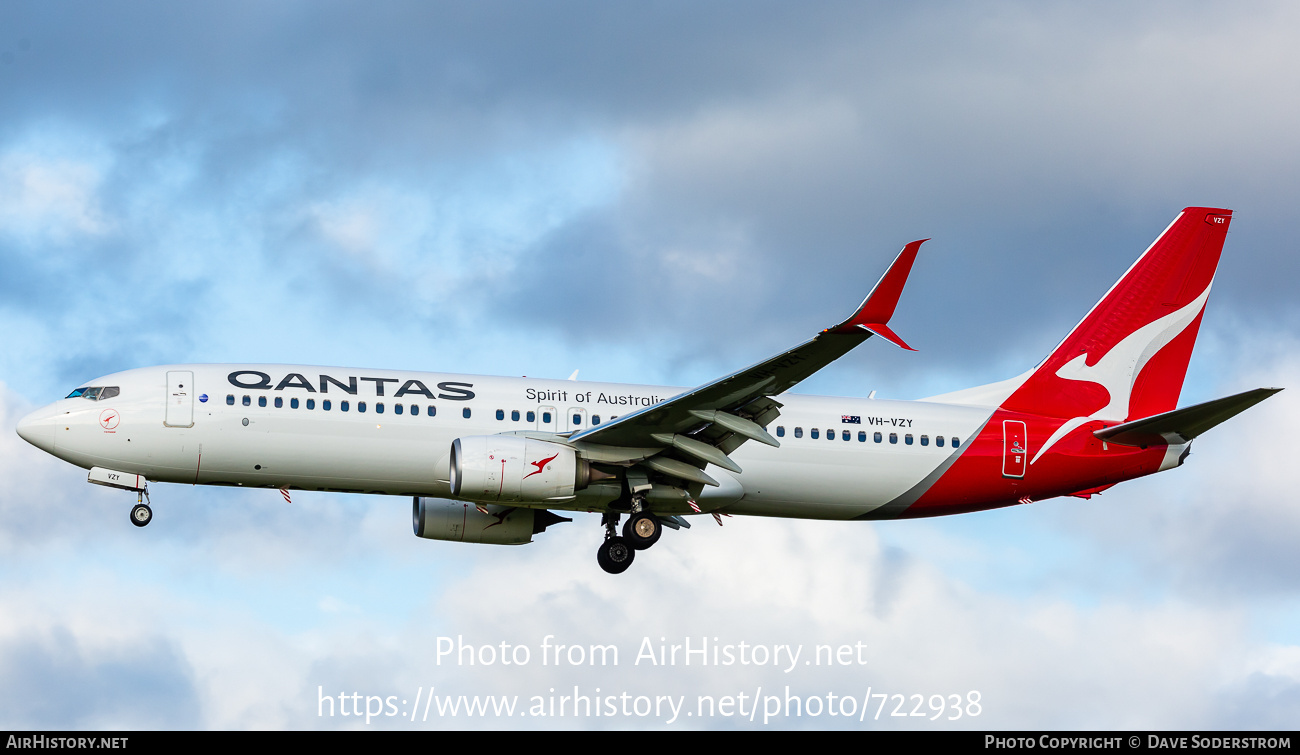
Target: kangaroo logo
(1118,370)
(540,466)
(500,517)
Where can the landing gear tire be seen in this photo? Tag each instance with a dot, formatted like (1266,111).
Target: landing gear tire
(141,515)
(615,555)
(642,530)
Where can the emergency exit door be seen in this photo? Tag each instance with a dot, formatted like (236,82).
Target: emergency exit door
(180,399)
(1014,448)
(548,420)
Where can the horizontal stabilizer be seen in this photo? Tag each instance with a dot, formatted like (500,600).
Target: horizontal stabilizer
(1181,425)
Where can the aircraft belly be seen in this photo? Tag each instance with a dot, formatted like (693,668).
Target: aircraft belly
(831,485)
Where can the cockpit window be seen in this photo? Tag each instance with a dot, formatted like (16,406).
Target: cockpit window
(95,393)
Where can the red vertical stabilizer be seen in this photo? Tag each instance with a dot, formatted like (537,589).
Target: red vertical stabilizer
(1127,358)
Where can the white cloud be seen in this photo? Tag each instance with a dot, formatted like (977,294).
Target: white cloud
(54,198)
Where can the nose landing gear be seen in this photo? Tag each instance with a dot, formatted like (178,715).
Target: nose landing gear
(141,514)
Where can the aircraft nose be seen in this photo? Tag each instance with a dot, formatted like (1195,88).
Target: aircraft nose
(37,428)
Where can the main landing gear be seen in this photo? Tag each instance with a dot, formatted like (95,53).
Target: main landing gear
(141,514)
(640,531)
(616,553)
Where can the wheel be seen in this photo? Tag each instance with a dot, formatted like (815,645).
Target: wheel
(643,530)
(615,555)
(141,515)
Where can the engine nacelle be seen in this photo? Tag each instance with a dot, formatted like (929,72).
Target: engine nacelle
(510,468)
(440,519)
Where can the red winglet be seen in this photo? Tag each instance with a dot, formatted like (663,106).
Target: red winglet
(874,313)
(882,330)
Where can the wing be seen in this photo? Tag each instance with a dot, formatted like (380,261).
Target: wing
(682,435)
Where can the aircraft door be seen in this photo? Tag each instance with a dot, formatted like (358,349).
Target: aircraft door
(180,399)
(548,420)
(1014,448)
(576,418)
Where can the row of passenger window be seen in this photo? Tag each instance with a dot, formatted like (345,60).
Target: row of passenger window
(575,420)
(412,409)
(344,406)
(878,437)
(515,416)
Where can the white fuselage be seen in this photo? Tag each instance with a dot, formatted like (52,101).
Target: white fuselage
(222,426)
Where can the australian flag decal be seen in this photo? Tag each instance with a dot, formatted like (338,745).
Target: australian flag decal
(850,419)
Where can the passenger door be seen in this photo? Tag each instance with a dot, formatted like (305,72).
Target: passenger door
(180,399)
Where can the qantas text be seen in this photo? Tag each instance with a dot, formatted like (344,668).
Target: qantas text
(253,380)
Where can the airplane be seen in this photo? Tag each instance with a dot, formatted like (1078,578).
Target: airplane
(492,459)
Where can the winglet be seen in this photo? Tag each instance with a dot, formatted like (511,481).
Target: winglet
(874,312)
(882,330)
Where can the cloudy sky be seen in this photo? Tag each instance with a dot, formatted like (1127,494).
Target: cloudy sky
(654,193)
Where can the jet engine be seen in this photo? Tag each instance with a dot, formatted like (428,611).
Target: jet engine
(510,468)
(440,519)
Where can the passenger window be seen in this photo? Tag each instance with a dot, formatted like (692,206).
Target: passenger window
(845,435)
(325,405)
(814,433)
(465,412)
(879,437)
(279,402)
(862,436)
(830,434)
(397,408)
(595,419)
(415,410)
(261,401)
(500,414)
(293,403)
(893,437)
(531,416)
(955,442)
(780,431)
(938,441)
(230,399)
(514,415)
(343,406)
(248,401)
(925,440)
(577,419)
(379,407)
(311,403)
(798,432)
(432,410)
(361,406)
(907,439)
(546,418)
